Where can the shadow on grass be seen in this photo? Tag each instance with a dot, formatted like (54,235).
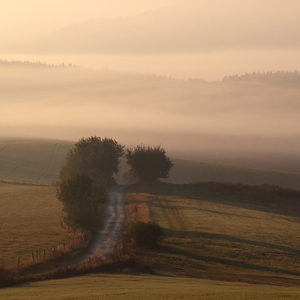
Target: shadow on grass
(266,198)
(228,238)
(226,262)
(179,207)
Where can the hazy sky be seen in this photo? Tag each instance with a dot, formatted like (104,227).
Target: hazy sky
(259,35)
(21,19)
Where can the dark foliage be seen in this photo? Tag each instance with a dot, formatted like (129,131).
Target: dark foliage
(6,278)
(278,78)
(148,164)
(80,205)
(146,235)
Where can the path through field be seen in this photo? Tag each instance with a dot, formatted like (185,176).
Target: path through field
(110,231)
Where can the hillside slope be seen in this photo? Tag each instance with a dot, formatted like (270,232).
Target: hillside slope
(39,161)
(32,161)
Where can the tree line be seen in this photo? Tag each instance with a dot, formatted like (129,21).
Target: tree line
(280,77)
(89,170)
(19,63)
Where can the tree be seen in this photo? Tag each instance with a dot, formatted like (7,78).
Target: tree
(96,157)
(80,205)
(148,164)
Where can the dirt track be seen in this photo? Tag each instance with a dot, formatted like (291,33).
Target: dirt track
(108,235)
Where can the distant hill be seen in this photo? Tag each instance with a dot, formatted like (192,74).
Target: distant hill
(188,26)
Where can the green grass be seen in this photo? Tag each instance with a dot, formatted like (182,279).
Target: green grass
(233,232)
(144,287)
(30,219)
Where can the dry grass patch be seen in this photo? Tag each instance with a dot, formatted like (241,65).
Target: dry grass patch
(30,221)
(136,207)
(132,287)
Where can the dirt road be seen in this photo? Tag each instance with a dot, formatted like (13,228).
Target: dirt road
(112,226)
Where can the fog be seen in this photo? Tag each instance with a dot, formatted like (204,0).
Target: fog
(136,60)
(235,122)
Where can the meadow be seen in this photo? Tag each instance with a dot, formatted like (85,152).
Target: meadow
(105,286)
(225,231)
(30,220)
(222,241)
(34,161)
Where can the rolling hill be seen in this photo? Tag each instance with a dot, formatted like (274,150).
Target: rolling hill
(37,161)
(32,161)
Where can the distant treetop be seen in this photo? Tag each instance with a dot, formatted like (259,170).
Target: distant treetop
(19,63)
(280,77)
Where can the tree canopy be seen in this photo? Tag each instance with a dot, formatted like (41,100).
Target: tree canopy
(148,164)
(99,158)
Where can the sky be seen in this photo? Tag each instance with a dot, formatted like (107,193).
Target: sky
(259,35)
(21,20)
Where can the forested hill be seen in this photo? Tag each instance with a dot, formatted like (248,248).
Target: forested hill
(283,78)
(279,77)
(19,63)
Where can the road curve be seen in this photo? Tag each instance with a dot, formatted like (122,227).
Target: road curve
(108,235)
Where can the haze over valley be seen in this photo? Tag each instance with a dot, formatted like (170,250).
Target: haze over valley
(157,73)
(144,141)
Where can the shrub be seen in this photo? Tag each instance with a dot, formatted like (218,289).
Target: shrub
(146,235)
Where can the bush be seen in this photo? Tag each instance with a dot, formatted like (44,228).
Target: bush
(6,277)
(146,235)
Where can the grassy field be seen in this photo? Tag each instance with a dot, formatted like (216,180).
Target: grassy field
(226,231)
(32,161)
(30,219)
(132,287)
(223,241)
(185,171)
(39,162)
